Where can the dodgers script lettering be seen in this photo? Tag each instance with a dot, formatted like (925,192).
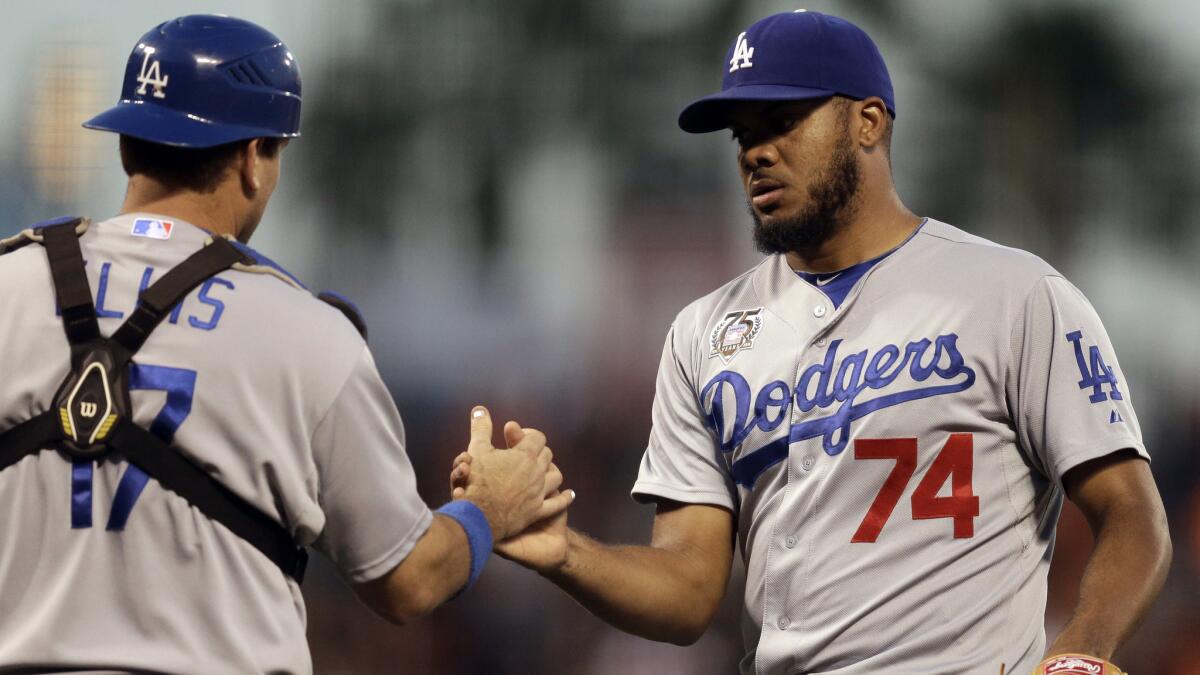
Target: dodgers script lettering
(835,384)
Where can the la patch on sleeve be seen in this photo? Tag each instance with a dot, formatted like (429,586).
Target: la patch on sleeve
(1094,371)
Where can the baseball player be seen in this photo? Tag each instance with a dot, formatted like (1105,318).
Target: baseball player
(181,417)
(887,411)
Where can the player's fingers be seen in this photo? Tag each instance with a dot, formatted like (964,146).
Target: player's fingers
(545,457)
(532,442)
(460,468)
(481,431)
(459,475)
(555,505)
(458,493)
(554,479)
(513,433)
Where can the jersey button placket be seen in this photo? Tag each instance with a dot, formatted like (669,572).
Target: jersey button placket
(820,311)
(783,623)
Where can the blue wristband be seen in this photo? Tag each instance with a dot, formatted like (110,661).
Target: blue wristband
(479,535)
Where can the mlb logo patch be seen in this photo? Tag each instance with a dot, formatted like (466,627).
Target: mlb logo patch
(152,228)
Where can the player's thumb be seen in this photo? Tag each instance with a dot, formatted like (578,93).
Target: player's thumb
(481,431)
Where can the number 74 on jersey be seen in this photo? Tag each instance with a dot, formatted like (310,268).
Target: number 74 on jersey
(954,462)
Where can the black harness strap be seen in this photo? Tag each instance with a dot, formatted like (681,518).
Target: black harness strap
(175,472)
(156,301)
(28,438)
(74,298)
(70,283)
(151,454)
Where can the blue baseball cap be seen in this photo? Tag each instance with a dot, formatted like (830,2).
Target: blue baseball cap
(791,57)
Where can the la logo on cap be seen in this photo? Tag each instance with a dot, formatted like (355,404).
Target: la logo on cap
(152,76)
(742,54)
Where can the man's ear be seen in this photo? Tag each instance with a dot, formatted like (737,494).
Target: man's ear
(248,166)
(873,120)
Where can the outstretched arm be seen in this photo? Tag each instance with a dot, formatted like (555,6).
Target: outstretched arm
(1132,553)
(667,591)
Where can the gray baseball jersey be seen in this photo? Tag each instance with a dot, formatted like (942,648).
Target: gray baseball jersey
(271,390)
(894,461)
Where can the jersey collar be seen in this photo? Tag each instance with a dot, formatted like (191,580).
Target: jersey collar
(837,285)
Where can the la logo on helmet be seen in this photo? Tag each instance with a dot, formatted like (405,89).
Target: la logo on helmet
(151,75)
(742,54)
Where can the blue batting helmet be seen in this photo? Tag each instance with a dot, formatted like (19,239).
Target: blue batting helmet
(203,80)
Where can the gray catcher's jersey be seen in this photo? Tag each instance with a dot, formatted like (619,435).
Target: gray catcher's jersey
(269,389)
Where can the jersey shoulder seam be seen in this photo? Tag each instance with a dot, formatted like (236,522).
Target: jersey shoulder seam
(1033,267)
(308,302)
(695,305)
(975,240)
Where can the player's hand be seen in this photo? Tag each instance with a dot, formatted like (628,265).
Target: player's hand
(513,433)
(508,486)
(541,547)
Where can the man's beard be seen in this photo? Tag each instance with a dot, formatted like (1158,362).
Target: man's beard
(831,205)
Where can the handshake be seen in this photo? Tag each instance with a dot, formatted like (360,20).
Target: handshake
(518,491)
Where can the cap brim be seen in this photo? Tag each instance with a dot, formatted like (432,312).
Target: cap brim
(711,113)
(156,124)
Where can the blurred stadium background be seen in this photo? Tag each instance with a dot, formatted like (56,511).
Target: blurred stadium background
(502,188)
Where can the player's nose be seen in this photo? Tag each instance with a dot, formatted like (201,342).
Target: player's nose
(757,154)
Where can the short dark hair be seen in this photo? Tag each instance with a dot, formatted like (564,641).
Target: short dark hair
(195,169)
